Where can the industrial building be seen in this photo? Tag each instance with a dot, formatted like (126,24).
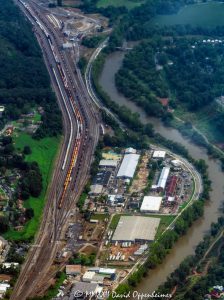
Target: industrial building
(163,178)
(176,163)
(96,189)
(128,166)
(136,229)
(85,290)
(93,277)
(159,154)
(102,177)
(171,187)
(151,204)
(73,269)
(108,163)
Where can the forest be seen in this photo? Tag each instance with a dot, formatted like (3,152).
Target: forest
(24,81)
(189,72)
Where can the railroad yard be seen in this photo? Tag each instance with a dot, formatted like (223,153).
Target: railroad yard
(133,198)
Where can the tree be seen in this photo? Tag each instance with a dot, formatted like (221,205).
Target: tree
(27,150)
(29,213)
(3,224)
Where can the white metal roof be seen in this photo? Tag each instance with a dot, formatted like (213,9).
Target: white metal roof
(163,177)
(176,162)
(128,166)
(108,163)
(88,275)
(107,271)
(132,228)
(130,150)
(159,154)
(151,204)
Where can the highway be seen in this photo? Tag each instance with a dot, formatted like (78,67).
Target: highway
(81,132)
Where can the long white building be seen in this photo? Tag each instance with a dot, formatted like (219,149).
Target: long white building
(163,178)
(128,166)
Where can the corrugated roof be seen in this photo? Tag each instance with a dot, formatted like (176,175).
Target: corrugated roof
(159,154)
(108,163)
(163,177)
(128,166)
(76,269)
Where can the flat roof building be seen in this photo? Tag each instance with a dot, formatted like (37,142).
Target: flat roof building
(176,162)
(96,189)
(73,269)
(151,204)
(136,229)
(163,178)
(110,163)
(88,276)
(85,290)
(128,166)
(159,154)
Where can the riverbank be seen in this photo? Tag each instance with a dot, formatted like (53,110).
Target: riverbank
(185,244)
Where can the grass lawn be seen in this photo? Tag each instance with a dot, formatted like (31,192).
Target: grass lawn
(164,223)
(44,152)
(114,222)
(53,291)
(129,4)
(100,217)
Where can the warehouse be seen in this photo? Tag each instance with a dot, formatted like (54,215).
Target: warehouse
(73,269)
(159,154)
(128,166)
(163,178)
(85,290)
(102,178)
(108,163)
(151,204)
(136,229)
(171,187)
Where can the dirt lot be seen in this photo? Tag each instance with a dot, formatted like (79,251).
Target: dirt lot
(114,250)
(93,232)
(88,249)
(140,182)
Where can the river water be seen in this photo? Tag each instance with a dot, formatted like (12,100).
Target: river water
(185,245)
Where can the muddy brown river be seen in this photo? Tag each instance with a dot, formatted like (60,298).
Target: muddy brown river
(186,245)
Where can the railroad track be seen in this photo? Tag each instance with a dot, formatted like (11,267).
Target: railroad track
(81,132)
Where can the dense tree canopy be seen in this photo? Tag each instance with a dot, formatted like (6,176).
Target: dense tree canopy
(24,81)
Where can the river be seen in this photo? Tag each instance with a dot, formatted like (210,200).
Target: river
(185,245)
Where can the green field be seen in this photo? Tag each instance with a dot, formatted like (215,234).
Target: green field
(207,15)
(129,4)
(43,152)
